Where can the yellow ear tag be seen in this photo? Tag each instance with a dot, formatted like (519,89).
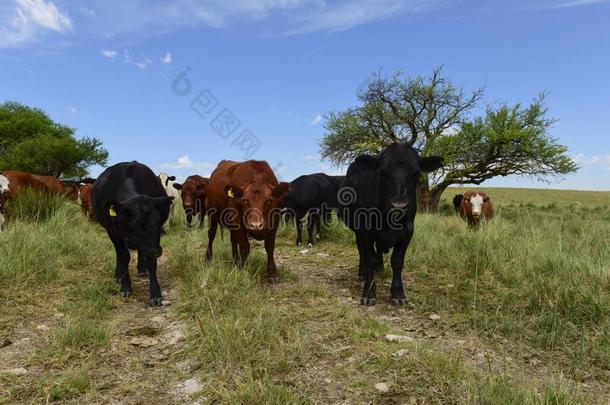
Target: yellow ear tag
(230,193)
(111,211)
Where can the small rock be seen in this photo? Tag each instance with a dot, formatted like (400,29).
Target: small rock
(191,386)
(304,251)
(174,337)
(158,319)
(382,387)
(398,338)
(434,317)
(42,327)
(58,315)
(389,318)
(15,371)
(450,285)
(399,354)
(328,380)
(432,334)
(143,341)
(322,254)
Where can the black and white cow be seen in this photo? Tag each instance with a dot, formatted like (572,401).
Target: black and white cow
(131,204)
(377,201)
(168,184)
(314,195)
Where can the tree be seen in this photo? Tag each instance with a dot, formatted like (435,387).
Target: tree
(436,117)
(31,141)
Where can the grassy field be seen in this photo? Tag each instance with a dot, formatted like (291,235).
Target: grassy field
(521,314)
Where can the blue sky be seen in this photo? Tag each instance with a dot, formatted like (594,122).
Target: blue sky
(275,67)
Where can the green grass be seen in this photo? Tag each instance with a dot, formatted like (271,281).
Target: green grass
(535,279)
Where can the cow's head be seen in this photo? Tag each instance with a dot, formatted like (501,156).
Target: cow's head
(165,179)
(476,202)
(259,202)
(193,193)
(400,167)
(139,219)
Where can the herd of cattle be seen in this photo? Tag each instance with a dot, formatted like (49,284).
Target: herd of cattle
(376,199)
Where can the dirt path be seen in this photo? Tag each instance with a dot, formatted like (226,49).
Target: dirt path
(136,366)
(337,271)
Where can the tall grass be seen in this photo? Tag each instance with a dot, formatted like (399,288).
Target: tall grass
(33,206)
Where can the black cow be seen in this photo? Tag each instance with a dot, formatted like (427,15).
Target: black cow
(130,203)
(313,194)
(377,201)
(457,201)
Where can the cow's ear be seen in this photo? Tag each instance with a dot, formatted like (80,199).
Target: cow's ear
(234,191)
(281,190)
(486,199)
(431,163)
(114,209)
(172,178)
(177,186)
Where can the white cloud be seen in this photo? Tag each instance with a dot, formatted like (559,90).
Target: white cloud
(311,157)
(167,59)
(109,54)
(141,64)
(316,120)
(24,21)
(185,162)
(593,160)
(72,109)
(577,3)
(263,17)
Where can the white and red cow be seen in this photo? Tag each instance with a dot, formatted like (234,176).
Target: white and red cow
(475,207)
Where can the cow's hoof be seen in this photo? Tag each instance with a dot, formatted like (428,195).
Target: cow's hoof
(155,302)
(273,280)
(125,294)
(360,277)
(368,301)
(299,244)
(142,274)
(318,236)
(398,301)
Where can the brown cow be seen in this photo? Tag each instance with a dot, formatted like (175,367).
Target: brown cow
(193,195)
(13,182)
(246,198)
(84,199)
(476,205)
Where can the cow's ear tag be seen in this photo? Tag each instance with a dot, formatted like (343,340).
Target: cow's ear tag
(230,193)
(111,211)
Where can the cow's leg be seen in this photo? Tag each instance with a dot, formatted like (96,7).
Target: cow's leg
(121,272)
(154,290)
(369,294)
(234,246)
(298,217)
(211,235)
(361,254)
(397,292)
(311,222)
(319,225)
(379,266)
(142,271)
(272,275)
(189,218)
(244,245)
